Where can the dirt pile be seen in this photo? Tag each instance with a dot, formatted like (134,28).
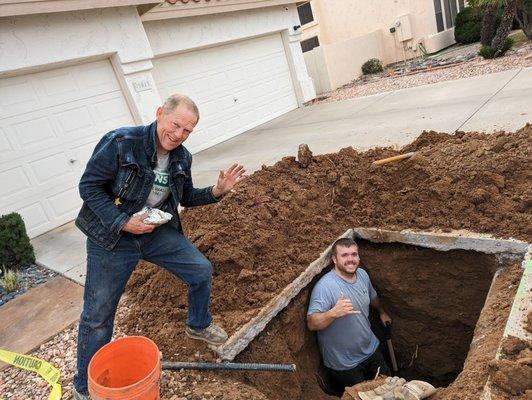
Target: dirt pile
(262,236)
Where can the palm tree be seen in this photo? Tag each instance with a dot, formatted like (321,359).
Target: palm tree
(488,23)
(505,26)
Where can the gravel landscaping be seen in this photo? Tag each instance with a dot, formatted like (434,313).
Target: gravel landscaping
(60,351)
(27,277)
(454,64)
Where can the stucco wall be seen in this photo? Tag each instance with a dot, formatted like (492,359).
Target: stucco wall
(349,19)
(340,20)
(37,42)
(349,55)
(334,65)
(317,69)
(351,32)
(42,39)
(175,35)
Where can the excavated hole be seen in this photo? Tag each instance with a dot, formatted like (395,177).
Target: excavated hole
(434,299)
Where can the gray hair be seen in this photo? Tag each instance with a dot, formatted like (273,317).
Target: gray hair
(174,100)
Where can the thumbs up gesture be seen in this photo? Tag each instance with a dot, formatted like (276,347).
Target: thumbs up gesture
(343,307)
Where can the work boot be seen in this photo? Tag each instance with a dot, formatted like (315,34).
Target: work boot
(380,392)
(212,334)
(79,396)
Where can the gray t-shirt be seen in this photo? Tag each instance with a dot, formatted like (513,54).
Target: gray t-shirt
(347,341)
(161,186)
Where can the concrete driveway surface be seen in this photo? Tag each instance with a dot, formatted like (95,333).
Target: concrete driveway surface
(500,101)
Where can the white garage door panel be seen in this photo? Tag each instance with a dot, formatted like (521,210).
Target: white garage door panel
(237,86)
(75,123)
(49,125)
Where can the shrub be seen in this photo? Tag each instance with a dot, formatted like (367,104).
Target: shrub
(15,247)
(468,24)
(372,66)
(9,281)
(488,52)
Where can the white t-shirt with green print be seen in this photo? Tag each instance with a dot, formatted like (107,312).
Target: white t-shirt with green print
(161,186)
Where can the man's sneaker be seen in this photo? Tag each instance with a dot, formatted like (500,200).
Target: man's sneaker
(212,334)
(79,396)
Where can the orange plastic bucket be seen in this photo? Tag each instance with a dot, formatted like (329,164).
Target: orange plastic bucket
(128,368)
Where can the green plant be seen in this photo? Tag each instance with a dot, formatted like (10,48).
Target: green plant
(372,66)
(15,247)
(467,25)
(489,52)
(423,50)
(9,281)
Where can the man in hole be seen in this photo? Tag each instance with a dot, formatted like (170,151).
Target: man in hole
(339,311)
(131,168)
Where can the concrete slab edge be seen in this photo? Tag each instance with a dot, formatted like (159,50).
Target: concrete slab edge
(515,326)
(444,241)
(240,339)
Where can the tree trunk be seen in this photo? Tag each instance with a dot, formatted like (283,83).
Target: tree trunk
(523,16)
(488,24)
(507,20)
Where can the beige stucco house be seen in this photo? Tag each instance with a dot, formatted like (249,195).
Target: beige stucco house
(338,36)
(71,70)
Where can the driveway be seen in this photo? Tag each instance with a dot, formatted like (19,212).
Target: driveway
(500,101)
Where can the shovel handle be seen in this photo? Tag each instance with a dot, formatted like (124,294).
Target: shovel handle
(394,158)
(388,330)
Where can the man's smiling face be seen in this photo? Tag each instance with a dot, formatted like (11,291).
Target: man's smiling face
(174,127)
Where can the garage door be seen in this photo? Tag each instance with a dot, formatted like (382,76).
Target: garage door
(49,124)
(236,86)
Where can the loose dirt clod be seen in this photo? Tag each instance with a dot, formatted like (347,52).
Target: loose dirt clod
(280,219)
(513,372)
(304,155)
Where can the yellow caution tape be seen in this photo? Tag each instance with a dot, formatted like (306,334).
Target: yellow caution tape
(44,369)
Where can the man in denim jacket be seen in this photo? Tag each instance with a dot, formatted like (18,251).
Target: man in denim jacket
(131,168)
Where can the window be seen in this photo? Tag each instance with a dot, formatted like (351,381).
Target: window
(305,13)
(448,17)
(309,44)
(439,15)
(454,11)
(451,8)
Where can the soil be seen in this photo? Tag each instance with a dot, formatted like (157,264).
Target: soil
(431,333)
(488,334)
(512,374)
(280,219)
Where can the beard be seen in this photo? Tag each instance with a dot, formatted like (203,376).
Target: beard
(349,269)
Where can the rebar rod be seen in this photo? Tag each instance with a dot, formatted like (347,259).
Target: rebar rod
(170,365)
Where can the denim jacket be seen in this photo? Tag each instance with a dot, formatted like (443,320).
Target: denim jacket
(119,177)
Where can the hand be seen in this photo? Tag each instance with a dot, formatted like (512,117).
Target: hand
(385,318)
(137,226)
(228,179)
(343,307)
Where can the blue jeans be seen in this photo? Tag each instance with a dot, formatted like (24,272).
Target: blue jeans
(109,271)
